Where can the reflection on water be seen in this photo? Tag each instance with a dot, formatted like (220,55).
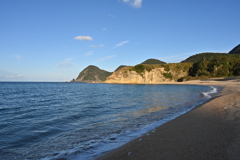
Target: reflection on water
(148,110)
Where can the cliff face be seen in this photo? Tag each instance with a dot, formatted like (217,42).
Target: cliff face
(92,74)
(156,74)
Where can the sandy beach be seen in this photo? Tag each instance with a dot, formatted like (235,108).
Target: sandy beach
(209,131)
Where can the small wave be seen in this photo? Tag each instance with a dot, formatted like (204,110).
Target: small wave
(2,109)
(207,94)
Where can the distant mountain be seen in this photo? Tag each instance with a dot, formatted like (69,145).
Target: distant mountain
(235,50)
(92,74)
(153,61)
(207,56)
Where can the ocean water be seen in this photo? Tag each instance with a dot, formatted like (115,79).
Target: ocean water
(80,121)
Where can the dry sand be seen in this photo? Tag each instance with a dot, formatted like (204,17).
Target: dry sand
(210,131)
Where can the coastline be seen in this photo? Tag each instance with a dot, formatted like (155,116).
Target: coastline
(209,131)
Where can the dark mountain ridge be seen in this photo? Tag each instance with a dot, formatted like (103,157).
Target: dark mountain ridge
(153,61)
(235,50)
(207,56)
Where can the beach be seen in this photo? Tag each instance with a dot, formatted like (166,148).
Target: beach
(209,131)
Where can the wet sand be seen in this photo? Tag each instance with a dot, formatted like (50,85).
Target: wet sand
(210,131)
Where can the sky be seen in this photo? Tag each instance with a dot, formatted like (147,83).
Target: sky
(54,40)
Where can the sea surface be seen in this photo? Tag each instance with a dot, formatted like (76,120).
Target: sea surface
(80,121)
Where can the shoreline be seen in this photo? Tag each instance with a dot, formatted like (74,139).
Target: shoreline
(208,131)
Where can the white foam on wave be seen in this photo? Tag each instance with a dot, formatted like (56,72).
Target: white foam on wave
(208,94)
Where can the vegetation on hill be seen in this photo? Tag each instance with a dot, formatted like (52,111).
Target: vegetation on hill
(120,67)
(236,69)
(92,74)
(201,56)
(174,70)
(209,65)
(153,61)
(235,50)
(221,66)
(140,68)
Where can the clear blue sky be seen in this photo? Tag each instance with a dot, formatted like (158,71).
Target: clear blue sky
(53,40)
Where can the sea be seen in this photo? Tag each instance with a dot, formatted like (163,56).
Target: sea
(81,121)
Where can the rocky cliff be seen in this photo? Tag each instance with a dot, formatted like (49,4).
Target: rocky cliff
(150,74)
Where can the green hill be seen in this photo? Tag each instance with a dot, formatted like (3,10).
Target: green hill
(92,74)
(153,61)
(220,66)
